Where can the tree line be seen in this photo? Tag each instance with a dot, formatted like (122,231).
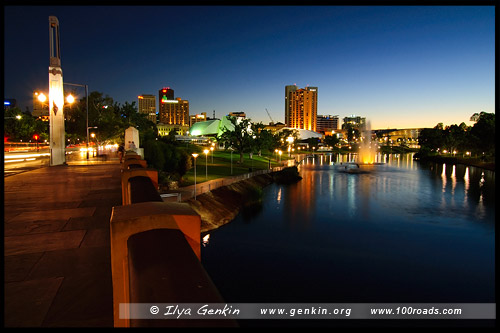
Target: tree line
(478,140)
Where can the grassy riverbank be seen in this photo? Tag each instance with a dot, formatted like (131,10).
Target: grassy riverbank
(219,165)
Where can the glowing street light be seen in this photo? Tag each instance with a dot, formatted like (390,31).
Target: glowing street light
(93,136)
(18,117)
(206,163)
(41,97)
(70,99)
(195,156)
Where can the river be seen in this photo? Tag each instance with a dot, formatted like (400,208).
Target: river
(402,232)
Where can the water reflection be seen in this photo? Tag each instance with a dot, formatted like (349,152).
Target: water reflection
(401,182)
(469,189)
(405,232)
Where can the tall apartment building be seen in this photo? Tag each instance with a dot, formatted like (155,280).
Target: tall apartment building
(327,123)
(172,111)
(147,105)
(301,107)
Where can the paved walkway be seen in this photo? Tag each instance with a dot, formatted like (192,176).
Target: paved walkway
(57,268)
(57,264)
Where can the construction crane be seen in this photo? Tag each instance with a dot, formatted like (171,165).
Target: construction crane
(272,121)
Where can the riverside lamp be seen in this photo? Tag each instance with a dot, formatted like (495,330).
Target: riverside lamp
(194,156)
(206,163)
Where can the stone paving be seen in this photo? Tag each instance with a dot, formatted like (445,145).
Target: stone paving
(57,261)
(57,269)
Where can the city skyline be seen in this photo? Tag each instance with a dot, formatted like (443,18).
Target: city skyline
(400,67)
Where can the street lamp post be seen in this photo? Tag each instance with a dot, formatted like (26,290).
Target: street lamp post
(86,106)
(212,150)
(206,163)
(195,156)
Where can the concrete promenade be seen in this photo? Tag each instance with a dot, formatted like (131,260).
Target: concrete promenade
(57,261)
(56,245)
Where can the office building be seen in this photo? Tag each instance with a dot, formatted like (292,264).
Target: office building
(301,107)
(172,111)
(147,106)
(327,123)
(165,94)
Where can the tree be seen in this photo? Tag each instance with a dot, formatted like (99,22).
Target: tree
(239,138)
(430,139)
(313,143)
(20,125)
(331,140)
(352,132)
(483,131)
(455,137)
(281,138)
(262,139)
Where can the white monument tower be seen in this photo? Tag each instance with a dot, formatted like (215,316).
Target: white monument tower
(56,97)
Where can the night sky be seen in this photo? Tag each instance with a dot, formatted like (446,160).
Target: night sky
(400,67)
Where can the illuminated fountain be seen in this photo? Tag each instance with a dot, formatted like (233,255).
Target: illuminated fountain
(366,156)
(367,152)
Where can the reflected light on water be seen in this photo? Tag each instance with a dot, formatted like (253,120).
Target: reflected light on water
(443,177)
(466,183)
(453,180)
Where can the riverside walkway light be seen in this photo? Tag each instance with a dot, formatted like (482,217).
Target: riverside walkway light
(206,163)
(194,156)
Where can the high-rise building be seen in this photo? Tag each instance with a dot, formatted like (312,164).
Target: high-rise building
(147,105)
(301,107)
(165,94)
(288,90)
(327,123)
(174,112)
